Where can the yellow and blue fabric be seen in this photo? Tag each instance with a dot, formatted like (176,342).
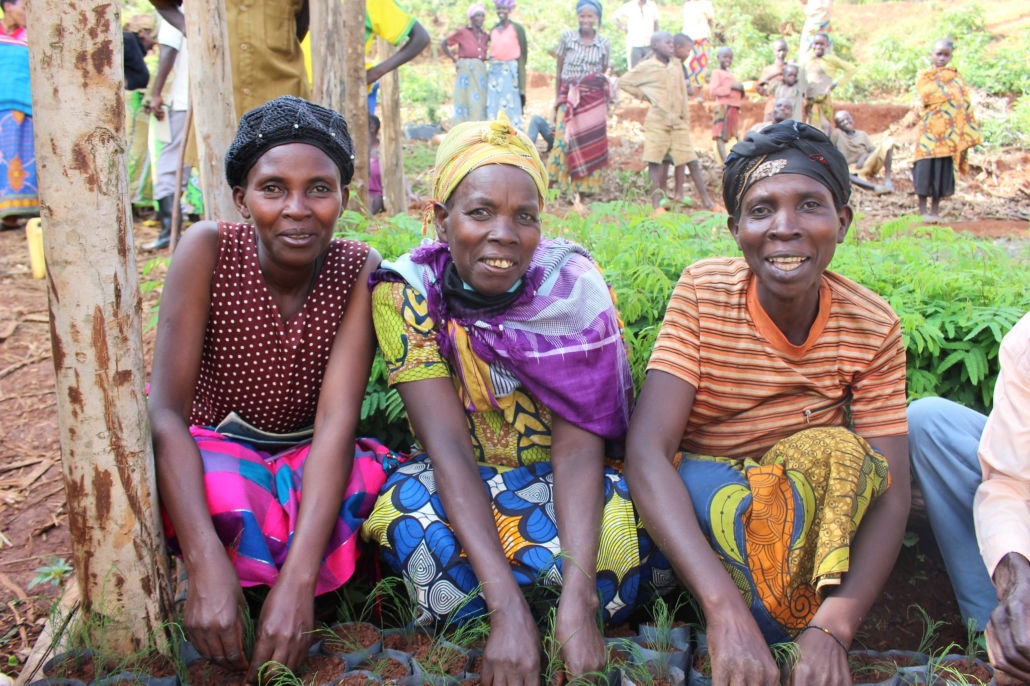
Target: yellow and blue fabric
(782,525)
(512,444)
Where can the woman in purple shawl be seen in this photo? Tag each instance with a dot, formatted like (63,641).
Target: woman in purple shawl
(508,354)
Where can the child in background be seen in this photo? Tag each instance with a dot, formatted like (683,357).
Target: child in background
(773,75)
(375,174)
(824,73)
(728,94)
(865,158)
(684,49)
(470,92)
(948,131)
(790,89)
(659,80)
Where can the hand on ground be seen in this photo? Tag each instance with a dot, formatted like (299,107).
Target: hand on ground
(212,615)
(512,654)
(284,630)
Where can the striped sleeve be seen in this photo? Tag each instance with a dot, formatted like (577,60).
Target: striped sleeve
(678,348)
(878,392)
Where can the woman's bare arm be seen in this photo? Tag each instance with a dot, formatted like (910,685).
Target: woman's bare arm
(739,653)
(287,616)
(211,616)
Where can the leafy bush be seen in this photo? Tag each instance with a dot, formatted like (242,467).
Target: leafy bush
(955,296)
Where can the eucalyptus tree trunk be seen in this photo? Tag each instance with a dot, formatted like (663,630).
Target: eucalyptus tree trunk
(327,41)
(356,94)
(391,138)
(75,49)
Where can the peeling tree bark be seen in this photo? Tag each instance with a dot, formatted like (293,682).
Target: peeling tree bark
(75,49)
(391,156)
(214,107)
(356,96)
(327,40)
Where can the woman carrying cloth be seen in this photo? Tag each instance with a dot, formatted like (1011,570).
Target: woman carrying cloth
(949,130)
(769,449)
(264,346)
(581,102)
(508,353)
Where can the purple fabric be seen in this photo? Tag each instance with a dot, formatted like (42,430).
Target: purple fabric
(563,344)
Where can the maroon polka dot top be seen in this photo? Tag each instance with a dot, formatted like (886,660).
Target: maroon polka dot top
(267,371)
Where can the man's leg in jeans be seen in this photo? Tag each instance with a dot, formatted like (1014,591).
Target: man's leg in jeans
(943,440)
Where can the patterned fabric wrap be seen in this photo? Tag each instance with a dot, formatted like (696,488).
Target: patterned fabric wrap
(558,168)
(783,526)
(561,338)
(15,92)
(818,110)
(948,128)
(254,498)
(725,122)
(503,91)
(585,102)
(469,91)
(19,188)
(698,62)
(416,540)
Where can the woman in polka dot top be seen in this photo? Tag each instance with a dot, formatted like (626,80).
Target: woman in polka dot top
(268,322)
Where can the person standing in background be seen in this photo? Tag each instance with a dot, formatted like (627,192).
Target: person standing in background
(19,192)
(817,20)
(824,73)
(174,58)
(508,49)
(470,64)
(697,23)
(138,38)
(728,94)
(264,48)
(639,19)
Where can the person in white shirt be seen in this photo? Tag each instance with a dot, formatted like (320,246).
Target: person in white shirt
(174,59)
(639,19)
(697,23)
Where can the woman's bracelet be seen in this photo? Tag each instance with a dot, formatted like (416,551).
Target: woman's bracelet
(828,633)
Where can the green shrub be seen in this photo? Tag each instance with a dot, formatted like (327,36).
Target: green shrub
(955,296)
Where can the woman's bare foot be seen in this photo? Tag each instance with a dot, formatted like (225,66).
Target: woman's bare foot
(931,219)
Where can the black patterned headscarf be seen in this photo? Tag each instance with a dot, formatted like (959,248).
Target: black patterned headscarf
(789,147)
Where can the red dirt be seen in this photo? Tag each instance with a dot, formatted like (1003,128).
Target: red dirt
(473,681)
(80,669)
(703,664)
(870,669)
(388,668)
(620,631)
(993,228)
(442,660)
(352,637)
(617,657)
(324,669)
(969,668)
(417,644)
(157,666)
(204,673)
(476,666)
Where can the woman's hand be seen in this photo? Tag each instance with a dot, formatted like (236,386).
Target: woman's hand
(1008,631)
(822,661)
(512,654)
(212,615)
(740,656)
(284,630)
(582,647)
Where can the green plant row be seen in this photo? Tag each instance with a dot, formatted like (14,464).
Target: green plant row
(956,296)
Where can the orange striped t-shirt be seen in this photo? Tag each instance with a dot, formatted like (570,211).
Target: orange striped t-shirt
(754,387)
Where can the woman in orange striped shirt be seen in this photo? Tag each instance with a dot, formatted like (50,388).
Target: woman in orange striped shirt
(795,378)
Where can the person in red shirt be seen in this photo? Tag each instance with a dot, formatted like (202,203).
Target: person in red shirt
(470,61)
(728,94)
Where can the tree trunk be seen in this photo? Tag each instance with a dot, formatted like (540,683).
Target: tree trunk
(75,49)
(391,155)
(356,95)
(327,66)
(214,107)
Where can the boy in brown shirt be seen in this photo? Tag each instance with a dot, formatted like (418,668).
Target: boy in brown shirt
(659,80)
(865,158)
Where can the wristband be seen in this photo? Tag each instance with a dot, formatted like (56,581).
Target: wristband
(828,633)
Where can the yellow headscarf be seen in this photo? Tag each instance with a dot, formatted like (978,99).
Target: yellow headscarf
(475,144)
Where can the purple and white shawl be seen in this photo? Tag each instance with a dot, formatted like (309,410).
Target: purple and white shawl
(560,338)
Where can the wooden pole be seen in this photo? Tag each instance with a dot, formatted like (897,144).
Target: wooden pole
(177,196)
(75,51)
(214,108)
(356,96)
(391,137)
(327,40)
